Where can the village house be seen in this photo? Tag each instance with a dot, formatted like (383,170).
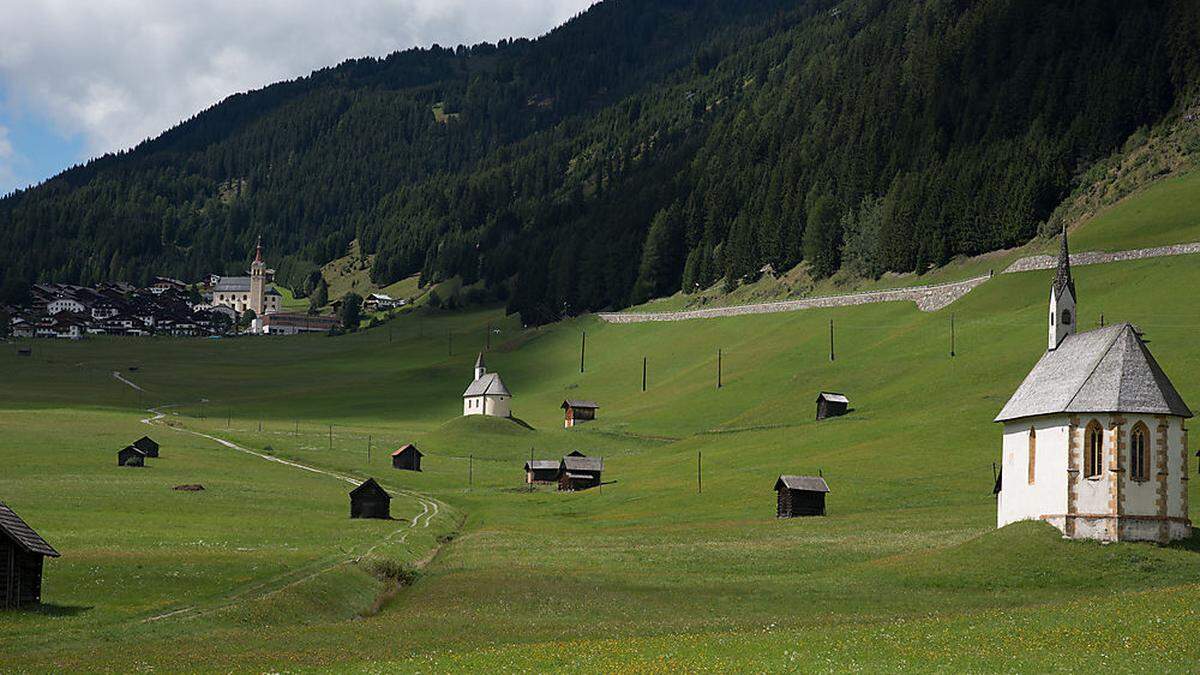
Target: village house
(486,395)
(577,411)
(407,458)
(1095,441)
(378,302)
(293,324)
(369,500)
(800,496)
(577,472)
(22,552)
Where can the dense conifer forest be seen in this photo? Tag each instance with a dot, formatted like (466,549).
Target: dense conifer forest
(641,148)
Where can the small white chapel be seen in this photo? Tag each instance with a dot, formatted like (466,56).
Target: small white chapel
(1095,440)
(486,395)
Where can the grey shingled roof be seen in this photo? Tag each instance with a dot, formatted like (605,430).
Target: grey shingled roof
(808,483)
(831,396)
(540,464)
(489,384)
(232,285)
(570,463)
(1100,371)
(579,403)
(12,525)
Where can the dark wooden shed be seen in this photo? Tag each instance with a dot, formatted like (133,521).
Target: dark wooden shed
(369,500)
(541,471)
(130,456)
(579,473)
(407,458)
(24,351)
(830,404)
(578,411)
(21,554)
(147,445)
(800,496)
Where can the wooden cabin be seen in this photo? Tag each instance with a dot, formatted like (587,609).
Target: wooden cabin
(407,458)
(578,411)
(830,404)
(579,472)
(130,456)
(369,500)
(541,471)
(147,445)
(24,351)
(800,496)
(22,552)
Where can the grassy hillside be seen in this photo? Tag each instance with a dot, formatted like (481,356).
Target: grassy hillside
(907,571)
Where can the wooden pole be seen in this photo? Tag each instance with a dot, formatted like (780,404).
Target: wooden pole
(330,436)
(643,373)
(831,354)
(718,369)
(951,334)
(296,427)
(368,448)
(260,425)
(470,472)
(487,339)
(699,475)
(582,350)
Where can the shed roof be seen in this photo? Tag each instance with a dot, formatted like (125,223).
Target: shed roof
(579,403)
(570,463)
(370,488)
(1104,370)
(831,396)
(488,385)
(807,483)
(407,447)
(20,532)
(540,464)
(131,449)
(143,441)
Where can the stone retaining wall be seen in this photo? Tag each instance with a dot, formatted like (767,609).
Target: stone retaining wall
(1048,262)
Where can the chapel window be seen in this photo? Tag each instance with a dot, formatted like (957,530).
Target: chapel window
(1093,450)
(1139,457)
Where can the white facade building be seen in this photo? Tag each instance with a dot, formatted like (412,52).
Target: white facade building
(1095,440)
(487,394)
(64,305)
(248,293)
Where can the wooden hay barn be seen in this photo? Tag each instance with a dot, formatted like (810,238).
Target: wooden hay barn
(130,456)
(541,471)
(21,554)
(369,500)
(830,404)
(578,411)
(407,458)
(147,445)
(579,473)
(800,496)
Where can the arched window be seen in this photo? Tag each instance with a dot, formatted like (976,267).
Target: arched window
(1139,452)
(1032,453)
(1066,317)
(1093,450)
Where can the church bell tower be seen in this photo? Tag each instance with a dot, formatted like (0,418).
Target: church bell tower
(258,280)
(1062,298)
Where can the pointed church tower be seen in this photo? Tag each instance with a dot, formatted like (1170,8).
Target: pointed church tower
(258,279)
(480,368)
(1062,298)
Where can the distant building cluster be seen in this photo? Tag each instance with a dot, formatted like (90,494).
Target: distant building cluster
(165,307)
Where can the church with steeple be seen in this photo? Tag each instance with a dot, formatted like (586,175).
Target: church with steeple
(487,395)
(1095,438)
(250,293)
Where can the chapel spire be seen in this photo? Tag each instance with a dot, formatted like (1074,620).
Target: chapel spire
(480,367)
(258,250)
(1062,298)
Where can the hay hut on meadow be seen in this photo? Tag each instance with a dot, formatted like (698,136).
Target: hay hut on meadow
(800,496)
(576,472)
(830,404)
(22,552)
(147,445)
(407,458)
(130,456)
(369,500)
(577,411)
(541,471)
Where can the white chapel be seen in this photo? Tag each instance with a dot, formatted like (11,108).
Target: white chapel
(1095,441)
(486,395)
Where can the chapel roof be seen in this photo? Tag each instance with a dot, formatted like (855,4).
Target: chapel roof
(488,385)
(1104,370)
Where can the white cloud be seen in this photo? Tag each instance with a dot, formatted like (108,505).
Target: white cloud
(7,156)
(118,71)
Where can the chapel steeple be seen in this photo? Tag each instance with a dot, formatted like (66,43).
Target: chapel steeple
(480,367)
(1062,298)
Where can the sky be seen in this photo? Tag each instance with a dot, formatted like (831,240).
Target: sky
(79,78)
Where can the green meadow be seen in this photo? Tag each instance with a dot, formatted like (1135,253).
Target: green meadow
(264,570)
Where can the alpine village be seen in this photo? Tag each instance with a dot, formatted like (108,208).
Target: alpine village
(713,336)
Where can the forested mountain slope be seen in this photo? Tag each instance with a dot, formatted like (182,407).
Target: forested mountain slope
(640,148)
